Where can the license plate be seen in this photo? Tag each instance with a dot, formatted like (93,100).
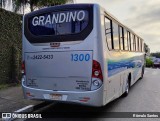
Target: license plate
(56,96)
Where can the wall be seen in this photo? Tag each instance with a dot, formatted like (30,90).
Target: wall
(10,46)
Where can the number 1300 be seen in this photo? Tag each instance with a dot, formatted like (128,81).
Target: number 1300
(80,57)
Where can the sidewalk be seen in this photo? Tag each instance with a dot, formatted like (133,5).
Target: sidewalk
(11,99)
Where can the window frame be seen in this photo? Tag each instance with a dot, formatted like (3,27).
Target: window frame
(112,44)
(114,22)
(124,29)
(121,38)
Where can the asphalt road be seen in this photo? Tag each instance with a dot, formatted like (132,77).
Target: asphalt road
(144,96)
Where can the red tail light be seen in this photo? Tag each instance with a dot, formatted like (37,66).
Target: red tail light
(23,68)
(96,70)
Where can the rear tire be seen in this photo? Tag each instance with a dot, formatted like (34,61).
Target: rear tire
(142,73)
(125,94)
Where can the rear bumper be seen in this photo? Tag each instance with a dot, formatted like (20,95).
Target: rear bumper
(90,98)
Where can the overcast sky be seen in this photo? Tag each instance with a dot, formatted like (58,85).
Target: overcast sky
(142,16)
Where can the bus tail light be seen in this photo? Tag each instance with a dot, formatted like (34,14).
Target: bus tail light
(97,77)
(28,94)
(96,70)
(84,99)
(23,68)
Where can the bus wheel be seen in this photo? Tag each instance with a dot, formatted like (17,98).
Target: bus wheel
(126,88)
(142,73)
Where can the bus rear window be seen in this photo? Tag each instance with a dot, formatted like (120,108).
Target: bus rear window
(59,23)
(62,23)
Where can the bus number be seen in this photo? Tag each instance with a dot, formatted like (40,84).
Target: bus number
(80,57)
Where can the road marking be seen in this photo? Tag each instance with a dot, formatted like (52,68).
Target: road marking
(28,108)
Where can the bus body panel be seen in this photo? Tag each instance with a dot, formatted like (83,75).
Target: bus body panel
(90,98)
(120,65)
(65,71)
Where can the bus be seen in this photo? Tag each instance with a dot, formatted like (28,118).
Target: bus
(79,53)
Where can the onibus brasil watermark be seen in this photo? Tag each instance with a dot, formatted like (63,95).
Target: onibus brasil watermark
(20,115)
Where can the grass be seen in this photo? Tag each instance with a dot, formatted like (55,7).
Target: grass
(5,86)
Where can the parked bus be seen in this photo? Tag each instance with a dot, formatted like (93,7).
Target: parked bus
(79,53)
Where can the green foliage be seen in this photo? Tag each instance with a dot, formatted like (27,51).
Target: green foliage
(4,86)
(10,46)
(43,3)
(18,4)
(149,62)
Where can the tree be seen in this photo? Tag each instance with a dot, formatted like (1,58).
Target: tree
(2,3)
(18,4)
(149,62)
(43,3)
(6,4)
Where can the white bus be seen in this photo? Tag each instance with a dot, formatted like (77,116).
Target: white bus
(79,53)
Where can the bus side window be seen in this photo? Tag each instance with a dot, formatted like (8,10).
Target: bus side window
(129,40)
(140,46)
(115,36)
(108,32)
(121,38)
(125,40)
(134,42)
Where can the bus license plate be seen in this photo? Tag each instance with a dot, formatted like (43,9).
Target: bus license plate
(56,96)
